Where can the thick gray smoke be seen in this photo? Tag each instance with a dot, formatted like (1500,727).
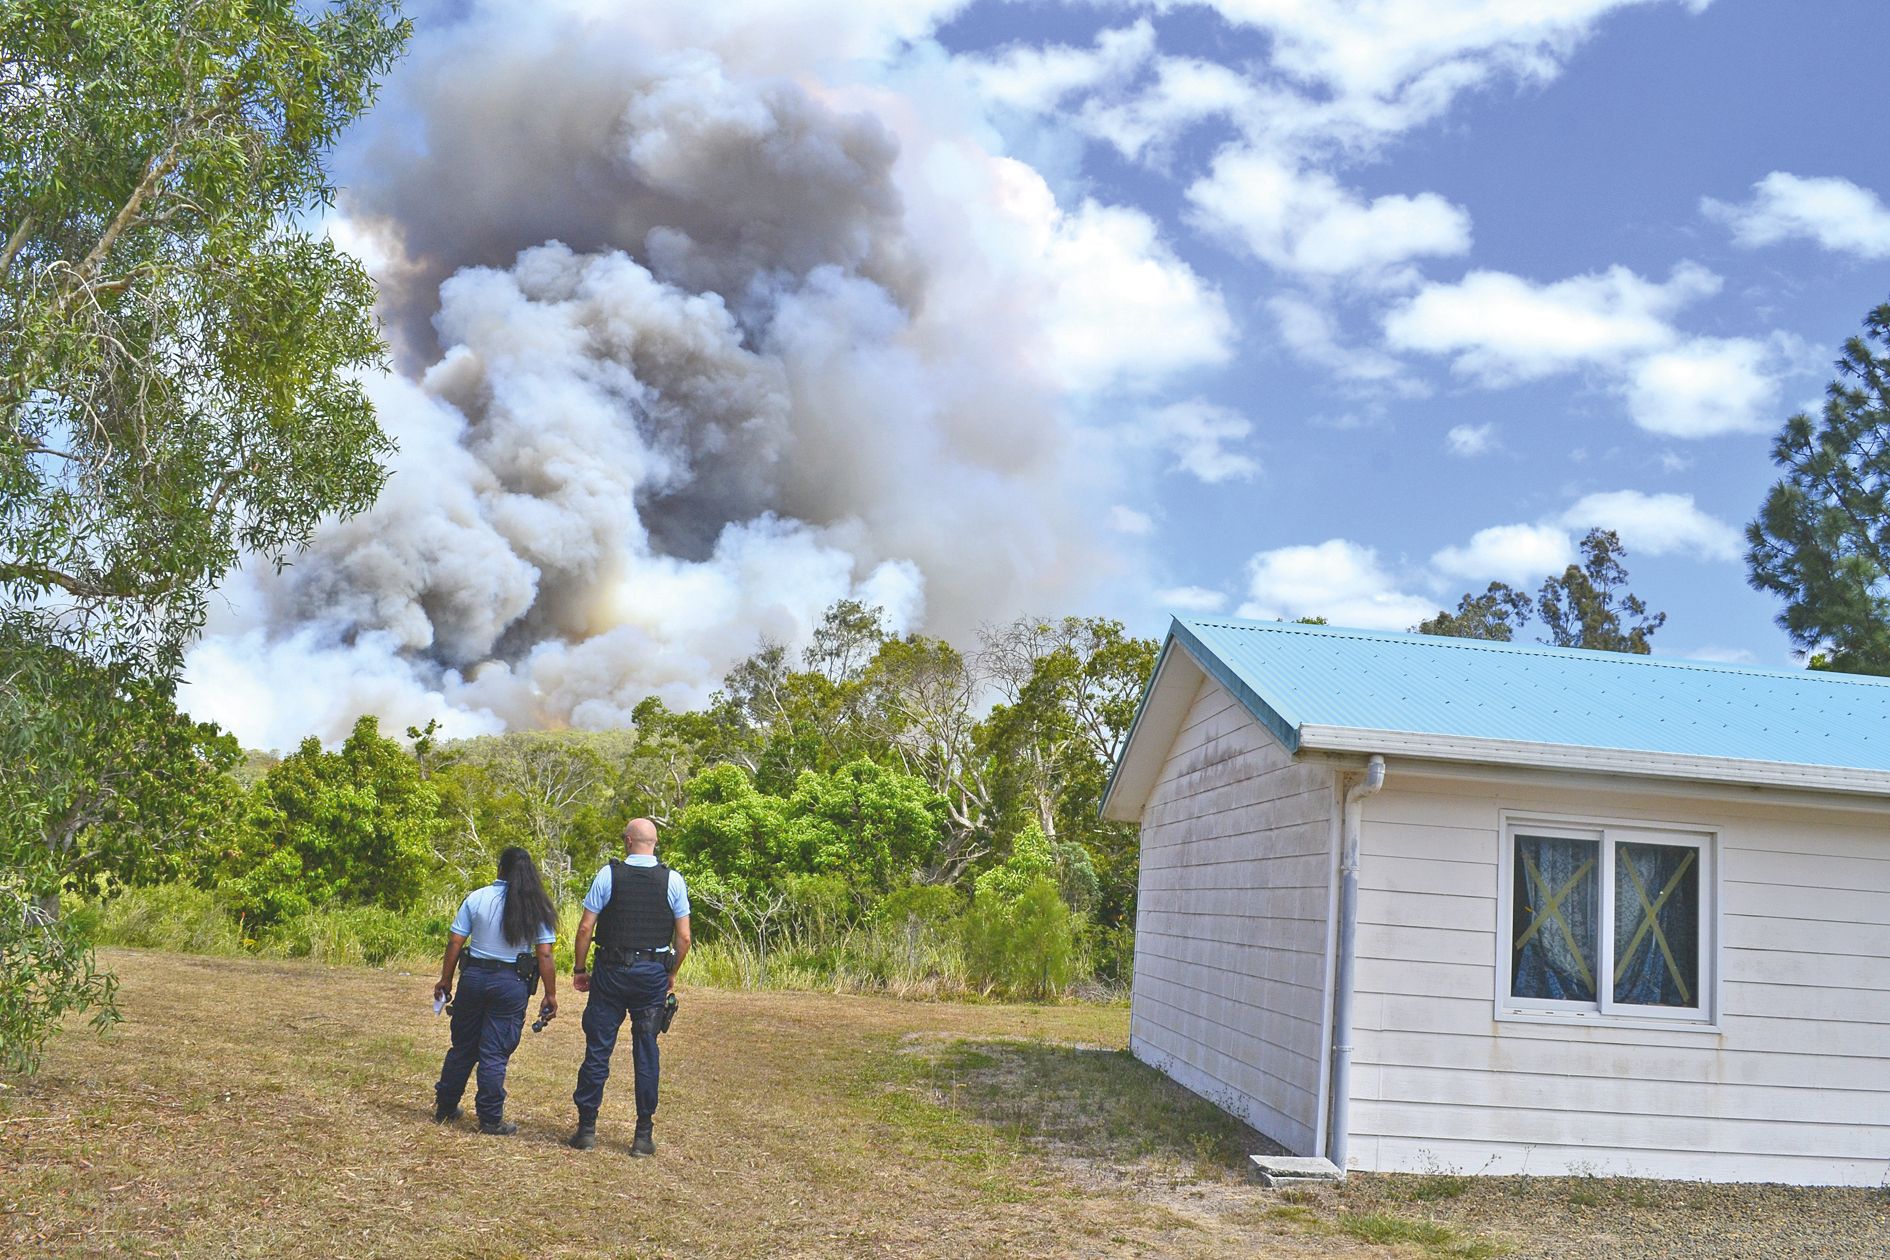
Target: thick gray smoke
(691,349)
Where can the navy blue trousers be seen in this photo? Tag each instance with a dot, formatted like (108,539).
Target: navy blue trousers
(636,990)
(488,1015)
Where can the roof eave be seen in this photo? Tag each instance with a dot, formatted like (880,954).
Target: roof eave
(1618,761)
(1130,781)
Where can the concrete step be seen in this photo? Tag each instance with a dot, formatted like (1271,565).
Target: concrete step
(1279,1171)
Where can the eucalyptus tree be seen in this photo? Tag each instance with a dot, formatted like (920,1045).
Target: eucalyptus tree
(180,364)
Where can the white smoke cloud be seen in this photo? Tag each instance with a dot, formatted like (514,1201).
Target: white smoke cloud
(707,319)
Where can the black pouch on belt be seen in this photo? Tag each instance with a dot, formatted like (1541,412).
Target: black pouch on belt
(527,966)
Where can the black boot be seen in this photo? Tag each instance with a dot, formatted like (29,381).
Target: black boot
(498,1128)
(586,1136)
(443,1111)
(644,1143)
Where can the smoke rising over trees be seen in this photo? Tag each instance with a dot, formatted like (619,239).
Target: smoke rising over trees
(691,351)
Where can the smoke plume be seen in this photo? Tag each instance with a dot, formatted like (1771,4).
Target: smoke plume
(699,329)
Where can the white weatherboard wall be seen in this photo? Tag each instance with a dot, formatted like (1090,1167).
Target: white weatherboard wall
(1793,1087)
(1232,921)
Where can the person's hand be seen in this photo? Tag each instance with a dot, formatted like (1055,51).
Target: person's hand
(442,990)
(672,985)
(581,981)
(549,1008)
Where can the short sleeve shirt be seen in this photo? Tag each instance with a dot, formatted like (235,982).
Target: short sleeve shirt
(599,895)
(481,921)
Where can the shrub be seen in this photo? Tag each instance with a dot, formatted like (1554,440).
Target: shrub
(1022,946)
(929,905)
(181,918)
(370,935)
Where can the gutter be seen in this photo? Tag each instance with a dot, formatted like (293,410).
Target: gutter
(1354,820)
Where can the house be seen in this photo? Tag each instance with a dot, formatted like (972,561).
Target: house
(1412,903)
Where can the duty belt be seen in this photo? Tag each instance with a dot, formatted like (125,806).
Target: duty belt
(487,964)
(614,956)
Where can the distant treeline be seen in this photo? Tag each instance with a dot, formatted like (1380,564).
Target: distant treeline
(884,811)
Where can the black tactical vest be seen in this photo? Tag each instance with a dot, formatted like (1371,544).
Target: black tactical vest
(637,916)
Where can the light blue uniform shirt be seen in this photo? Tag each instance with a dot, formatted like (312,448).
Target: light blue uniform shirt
(480,921)
(599,895)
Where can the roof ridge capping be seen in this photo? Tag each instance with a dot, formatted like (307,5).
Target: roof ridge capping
(1592,655)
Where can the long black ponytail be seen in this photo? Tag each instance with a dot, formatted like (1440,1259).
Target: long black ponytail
(527,908)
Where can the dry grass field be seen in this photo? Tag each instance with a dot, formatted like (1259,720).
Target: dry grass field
(249,1108)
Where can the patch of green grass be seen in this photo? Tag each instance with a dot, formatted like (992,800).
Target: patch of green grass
(1096,1104)
(1436,1238)
(1434,1187)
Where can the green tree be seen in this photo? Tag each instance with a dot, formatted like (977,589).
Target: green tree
(102,783)
(875,827)
(1822,538)
(1068,692)
(179,364)
(1020,935)
(350,827)
(1496,614)
(179,382)
(920,708)
(1589,607)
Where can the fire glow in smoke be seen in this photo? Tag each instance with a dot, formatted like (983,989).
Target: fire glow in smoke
(697,335)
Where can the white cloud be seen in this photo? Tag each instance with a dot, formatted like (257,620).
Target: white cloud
(1304,221)
(1036,79)
(1311,333)
(1657,524)
(1125,308)
(1183,92)
(1198,434)
(1706,387)
(1500,330)
(1518,554)
(1471,440)
(1503,329)
(1836,213)
(1339,580)
(1191,599)
(1718,655)
(1126,520)
(1389,48)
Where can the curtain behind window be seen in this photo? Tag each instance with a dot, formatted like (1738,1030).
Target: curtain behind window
(1557,904)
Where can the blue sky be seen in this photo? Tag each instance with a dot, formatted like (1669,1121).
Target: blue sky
(1602,163)
(708,315)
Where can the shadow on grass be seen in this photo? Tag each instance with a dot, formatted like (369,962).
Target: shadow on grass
(1092,1104)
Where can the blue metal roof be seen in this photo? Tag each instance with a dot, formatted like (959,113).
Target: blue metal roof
(1296,676)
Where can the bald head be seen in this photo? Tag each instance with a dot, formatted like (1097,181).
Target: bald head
(639,836)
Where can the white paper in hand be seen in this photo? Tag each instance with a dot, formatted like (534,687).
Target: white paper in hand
(439,1004)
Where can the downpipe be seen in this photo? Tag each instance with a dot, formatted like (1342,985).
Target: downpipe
(1352,821)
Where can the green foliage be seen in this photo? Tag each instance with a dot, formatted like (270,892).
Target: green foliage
(1588,607)
(1496,614)
(1020,936)
(180,384)
(180,917)
(1070,690)
(351,827)
(179,364)
(1022,946)
(46,972)
(358,935)
(1822,538)
(874,826)
(928,905)
(868,825)
(104,784)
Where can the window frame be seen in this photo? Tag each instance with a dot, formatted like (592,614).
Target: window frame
(1605,1011)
